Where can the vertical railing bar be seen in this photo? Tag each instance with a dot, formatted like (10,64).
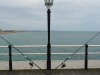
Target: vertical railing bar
(86,56)
(10,58)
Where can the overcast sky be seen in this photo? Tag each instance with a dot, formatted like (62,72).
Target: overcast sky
(66,15)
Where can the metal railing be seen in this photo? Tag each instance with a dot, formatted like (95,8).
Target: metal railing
(44,46)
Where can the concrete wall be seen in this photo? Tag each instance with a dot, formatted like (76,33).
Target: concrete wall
(55,72)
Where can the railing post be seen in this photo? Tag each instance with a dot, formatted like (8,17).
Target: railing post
(10,58)
(86,56)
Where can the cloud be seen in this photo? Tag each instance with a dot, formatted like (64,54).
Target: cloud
(77,14)
(65,15)
(19,3)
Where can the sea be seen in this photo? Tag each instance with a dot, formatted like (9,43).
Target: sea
(57,38)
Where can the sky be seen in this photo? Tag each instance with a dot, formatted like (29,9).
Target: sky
(66,15)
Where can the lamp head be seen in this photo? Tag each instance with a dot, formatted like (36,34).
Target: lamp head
(48,3)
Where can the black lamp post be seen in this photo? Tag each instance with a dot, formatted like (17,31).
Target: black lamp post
(48,4)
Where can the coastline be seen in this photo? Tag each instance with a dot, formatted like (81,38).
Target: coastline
(3,32)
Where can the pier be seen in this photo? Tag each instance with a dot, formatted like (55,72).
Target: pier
(39,67)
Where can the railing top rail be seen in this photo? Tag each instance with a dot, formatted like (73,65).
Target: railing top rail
(51,53)
(26,46)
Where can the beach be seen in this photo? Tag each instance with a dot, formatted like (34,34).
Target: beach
(71,64)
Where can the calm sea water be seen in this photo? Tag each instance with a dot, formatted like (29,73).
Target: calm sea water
(57,38)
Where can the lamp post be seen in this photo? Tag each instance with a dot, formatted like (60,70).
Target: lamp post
(48,4)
